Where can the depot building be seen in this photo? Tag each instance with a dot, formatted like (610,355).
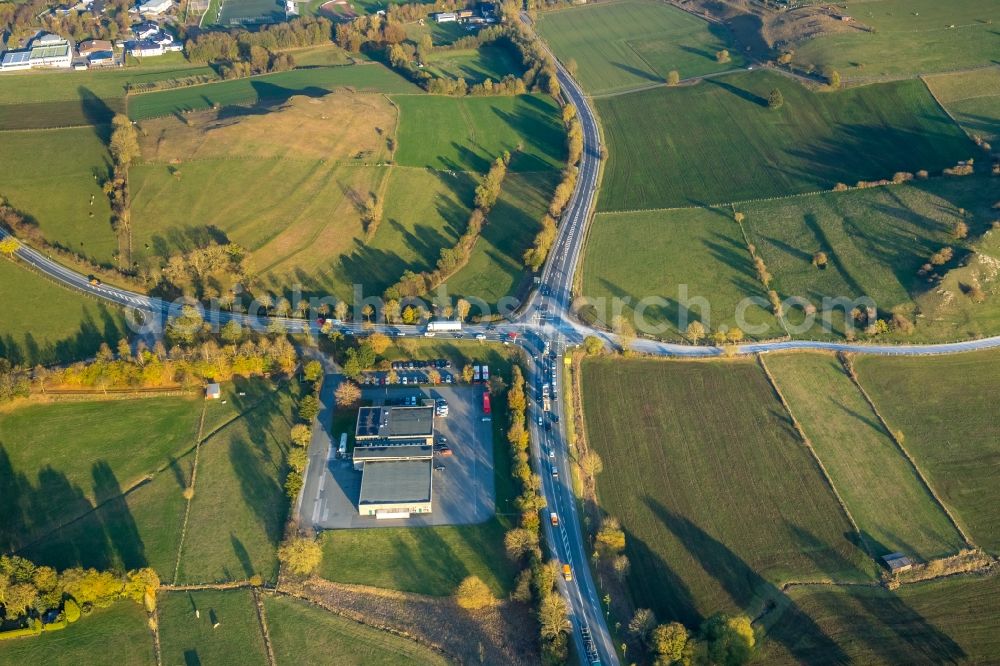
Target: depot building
(394,450)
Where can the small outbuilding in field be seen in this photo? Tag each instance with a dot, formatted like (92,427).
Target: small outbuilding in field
(213,392)
(897,562)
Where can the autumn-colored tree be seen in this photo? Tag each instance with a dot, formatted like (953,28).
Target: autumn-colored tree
(379,342)
(673,77)
(301,435)
(642,624)
(593,345)
(473,593)
(695,332)
(348,394)
(300,555)
(9,246)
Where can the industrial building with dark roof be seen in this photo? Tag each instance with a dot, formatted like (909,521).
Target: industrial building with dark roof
(396,488)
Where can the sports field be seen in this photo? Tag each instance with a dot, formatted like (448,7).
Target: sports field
(115,635)
(677,261)
(947,621)
(54,177)
(189,638)
(875,240)
(893,508)
(49,480)
(468,133)
(910,37)
(973,98)
(660,157)
(944,407)
(249,12)
(305,634)
(632,43)
(46,323)
(268,89)
(720,501)
(239,506)
(425,560)
(496,267)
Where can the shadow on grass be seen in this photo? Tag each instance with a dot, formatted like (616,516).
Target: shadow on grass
(100,534)
(82,344)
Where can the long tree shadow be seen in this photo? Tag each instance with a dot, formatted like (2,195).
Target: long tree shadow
(911,638)
(745,587)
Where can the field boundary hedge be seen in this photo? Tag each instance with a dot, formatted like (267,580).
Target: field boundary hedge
(812,451)
(849,366)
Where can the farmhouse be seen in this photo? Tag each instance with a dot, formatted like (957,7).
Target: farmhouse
(394,451)
(89,47)
(897,562)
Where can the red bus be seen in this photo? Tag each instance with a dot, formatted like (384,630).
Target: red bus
(486,403)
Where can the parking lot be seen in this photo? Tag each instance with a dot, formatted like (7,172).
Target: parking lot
(463,491)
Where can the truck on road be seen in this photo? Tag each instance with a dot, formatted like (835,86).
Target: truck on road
(567,572)
(546,403)
(554,517)
(444,325)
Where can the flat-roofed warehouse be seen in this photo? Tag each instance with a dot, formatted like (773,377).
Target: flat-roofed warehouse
(395,423)
(396,488)
(394,449)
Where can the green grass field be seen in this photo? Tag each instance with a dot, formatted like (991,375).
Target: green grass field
(911,37)
(947,621)
(972,98)
(38,99)
(496,267)
(45,323)
(143,528)
(305,634)
(280,224)
(659,155)
(943,405)
(468,133)
(53,177)
(239,507)
(623,45)
(693,254)
(115,635)
(475,65)
(720,501)
(59,460)
(235,12)
(876,240)
(425,560)
(894,510)
(188,639)
(268,89)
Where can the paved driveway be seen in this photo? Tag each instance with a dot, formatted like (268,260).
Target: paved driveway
(464,491)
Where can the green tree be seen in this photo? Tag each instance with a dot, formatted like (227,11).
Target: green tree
(668,642)
(593,345)
(833,78)
(312,371)
(301,435)
(300,555)
(775,100)
(308,408)
(231,332)
(730,640)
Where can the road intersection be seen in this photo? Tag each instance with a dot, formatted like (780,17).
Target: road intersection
(543,323)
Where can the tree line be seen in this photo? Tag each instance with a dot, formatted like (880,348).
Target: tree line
(29,592)
(453,258)
(537,580)
(535,256)
(240,53)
